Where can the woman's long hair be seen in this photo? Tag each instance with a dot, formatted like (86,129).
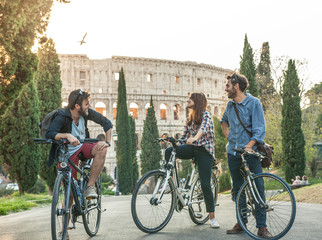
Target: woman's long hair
(200,105)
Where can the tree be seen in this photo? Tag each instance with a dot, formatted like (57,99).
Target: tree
(123,139)
(20,23)
(248,68)
(150,149)
(311,124)
(49,93)
(273,120)
(293,139)
(220,140)
(19,127)
(133,137)
(264,79)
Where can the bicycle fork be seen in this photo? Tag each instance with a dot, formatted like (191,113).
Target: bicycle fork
(255,193)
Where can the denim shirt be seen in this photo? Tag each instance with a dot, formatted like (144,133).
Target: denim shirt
(252,116)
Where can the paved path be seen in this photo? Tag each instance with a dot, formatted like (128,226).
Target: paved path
(117,224)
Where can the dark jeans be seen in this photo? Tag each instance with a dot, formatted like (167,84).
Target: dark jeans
(204,162)
(255,166)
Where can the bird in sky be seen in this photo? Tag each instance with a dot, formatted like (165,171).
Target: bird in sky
(83,40)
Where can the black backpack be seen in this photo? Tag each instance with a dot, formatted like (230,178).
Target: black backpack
(45,123)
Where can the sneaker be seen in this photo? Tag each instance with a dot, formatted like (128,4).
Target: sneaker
(214,223)
(236,229)
(90,192)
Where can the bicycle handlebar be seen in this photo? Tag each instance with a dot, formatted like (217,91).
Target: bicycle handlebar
(242,151)
(65,141)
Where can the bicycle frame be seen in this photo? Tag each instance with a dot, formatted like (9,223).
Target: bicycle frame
(73,188)
(171,169)
(252,192)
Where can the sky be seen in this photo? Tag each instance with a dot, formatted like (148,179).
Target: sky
(203,31)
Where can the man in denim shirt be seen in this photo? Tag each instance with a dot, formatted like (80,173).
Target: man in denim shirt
(252,116)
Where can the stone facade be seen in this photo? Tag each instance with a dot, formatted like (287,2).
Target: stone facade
(168,82)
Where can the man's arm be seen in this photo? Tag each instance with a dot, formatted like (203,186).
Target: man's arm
(71,139)
(99,119)
(108,135)
(225,129)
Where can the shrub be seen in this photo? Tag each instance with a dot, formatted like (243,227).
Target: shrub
(6,192)
(106,178)
(39,187)
(224,182)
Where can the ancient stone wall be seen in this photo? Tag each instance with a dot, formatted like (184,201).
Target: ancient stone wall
(170,84)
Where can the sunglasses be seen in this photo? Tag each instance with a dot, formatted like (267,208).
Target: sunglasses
(236,78)
(80,93)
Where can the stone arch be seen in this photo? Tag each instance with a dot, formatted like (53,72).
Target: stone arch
(176,112)
(133,110)
(114,110)
(209,108)
(101,108)
(163,111)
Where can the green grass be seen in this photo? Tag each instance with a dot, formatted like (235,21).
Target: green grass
(17,202)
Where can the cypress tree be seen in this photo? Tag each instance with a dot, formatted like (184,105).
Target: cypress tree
(264,79)
(293,140)
(18,152)
(133,137)
(248,68)
(49,93)
(21,22)
(123,139)
(150,149)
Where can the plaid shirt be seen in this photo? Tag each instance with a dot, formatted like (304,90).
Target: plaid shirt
(207,127)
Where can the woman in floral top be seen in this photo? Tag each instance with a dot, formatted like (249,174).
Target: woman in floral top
(199,134)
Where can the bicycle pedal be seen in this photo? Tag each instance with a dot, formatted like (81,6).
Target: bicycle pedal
(71,228)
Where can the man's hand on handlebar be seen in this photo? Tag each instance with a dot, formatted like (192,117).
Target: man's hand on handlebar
(73,140)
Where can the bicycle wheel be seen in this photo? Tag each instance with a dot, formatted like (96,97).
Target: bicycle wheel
(197,206)
(280,201)
(149,215)
(59,215)
(92,212)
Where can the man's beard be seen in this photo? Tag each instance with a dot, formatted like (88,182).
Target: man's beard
(232,94)
(82,112)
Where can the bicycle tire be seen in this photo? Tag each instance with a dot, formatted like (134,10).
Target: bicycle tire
(59,215)
(149,216)
(92,211)
(281,210)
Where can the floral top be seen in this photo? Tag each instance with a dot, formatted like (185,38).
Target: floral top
(207,127)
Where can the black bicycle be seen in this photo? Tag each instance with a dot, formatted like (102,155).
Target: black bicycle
(159,192)
(65,185)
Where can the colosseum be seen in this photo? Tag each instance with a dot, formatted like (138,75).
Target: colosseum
(168,82)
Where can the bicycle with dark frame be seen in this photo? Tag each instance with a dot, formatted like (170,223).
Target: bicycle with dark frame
(66,187)
(159,192)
